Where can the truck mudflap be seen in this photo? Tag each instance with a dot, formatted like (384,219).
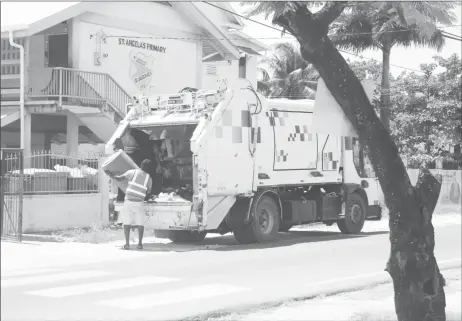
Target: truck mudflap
(168,215)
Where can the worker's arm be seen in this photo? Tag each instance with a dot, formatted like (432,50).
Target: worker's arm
(127,175)
(149,186)
(118,178)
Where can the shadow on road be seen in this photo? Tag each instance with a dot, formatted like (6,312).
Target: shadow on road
(228,243)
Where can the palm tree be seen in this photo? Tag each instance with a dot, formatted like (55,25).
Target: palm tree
(371,25)
(286,74)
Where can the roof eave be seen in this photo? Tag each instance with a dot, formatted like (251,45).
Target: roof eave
(214,30)
(47,22)
(230,8)
(253,43)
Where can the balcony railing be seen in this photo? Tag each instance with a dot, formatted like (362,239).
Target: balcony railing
(85,88)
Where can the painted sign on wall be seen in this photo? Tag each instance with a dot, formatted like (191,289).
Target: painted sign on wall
(138,62)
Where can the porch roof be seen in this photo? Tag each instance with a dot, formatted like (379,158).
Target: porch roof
(43,15)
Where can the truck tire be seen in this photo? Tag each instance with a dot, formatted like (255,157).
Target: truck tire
(263,225)
(186,236)
(355,215)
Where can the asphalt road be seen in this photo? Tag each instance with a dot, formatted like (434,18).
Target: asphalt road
(187,284)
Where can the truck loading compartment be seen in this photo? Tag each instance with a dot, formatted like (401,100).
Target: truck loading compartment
(245,164)
(169,145)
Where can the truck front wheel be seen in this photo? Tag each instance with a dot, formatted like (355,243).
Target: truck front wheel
(355,215)
(263,225)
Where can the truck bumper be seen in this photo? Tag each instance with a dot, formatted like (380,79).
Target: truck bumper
(167,216)
(374,213)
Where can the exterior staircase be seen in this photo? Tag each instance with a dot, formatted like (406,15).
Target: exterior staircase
(95,98)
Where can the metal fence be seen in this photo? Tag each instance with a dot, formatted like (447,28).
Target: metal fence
(46,172)
(11,195)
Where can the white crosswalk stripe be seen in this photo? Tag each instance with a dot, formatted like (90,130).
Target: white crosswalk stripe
(14,273)
(31,280)
(94,287)
(153,297)
(173,296)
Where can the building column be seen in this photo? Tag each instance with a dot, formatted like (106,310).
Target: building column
(199,70)
(27,139)
(72,139)
(47,143)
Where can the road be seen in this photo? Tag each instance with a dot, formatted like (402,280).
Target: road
(186,284)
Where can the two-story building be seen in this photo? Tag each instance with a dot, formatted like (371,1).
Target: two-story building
(83,64)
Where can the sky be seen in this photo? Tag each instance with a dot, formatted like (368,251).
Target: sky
(406,57)
(19,13)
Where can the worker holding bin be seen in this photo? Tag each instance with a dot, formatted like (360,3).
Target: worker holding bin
(133,213)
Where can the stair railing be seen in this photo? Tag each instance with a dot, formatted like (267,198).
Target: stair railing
(85,87)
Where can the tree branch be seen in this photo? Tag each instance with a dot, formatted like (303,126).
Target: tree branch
(283,22)
(330,12)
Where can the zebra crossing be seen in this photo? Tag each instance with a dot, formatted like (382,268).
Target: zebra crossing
(59,283)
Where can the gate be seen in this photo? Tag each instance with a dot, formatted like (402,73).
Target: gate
(12,187)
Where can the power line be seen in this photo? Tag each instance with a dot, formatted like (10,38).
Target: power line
(198,38)
(346,52)
(241,16)
(396,66)
(343,34)
(452,34)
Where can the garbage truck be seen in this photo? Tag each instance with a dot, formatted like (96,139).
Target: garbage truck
(235,161)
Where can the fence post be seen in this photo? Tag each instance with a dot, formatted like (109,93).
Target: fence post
(103,186)
(21,193)
(2,187)
(60,83)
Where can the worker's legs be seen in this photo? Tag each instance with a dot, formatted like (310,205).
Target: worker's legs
(128,220)
(140,236)
(127,235)
(140,218)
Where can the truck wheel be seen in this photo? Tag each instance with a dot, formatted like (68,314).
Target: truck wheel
(355,215)
(264,223)
(186,236)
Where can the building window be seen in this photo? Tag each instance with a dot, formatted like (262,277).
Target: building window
(242,67)
(57,51)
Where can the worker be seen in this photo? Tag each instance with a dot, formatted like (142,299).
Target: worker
(133,213)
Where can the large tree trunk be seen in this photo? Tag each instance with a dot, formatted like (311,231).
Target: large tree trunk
(418,284)
(385,89)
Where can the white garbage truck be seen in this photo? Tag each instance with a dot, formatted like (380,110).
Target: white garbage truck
(239,162)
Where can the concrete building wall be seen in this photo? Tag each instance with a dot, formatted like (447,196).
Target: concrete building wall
(68,211)
(136,60)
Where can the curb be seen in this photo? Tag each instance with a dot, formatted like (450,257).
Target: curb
(42,238)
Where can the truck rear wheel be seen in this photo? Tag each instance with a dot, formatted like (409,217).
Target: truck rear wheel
(182,236)
(263,225)
(355,215)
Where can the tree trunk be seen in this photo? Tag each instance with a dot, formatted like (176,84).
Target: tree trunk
(385,89)
(418,284)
